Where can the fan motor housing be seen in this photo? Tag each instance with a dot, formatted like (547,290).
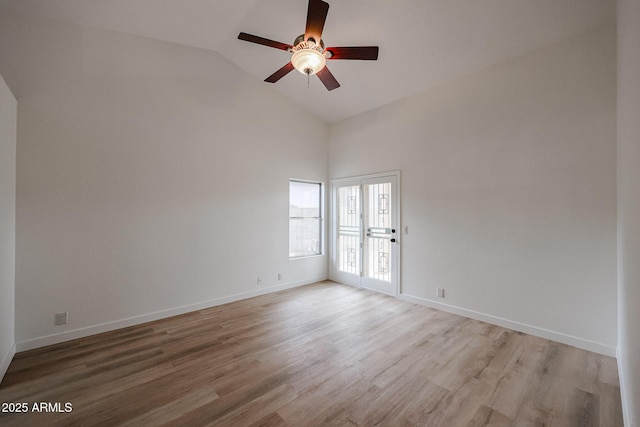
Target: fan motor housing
(301,42)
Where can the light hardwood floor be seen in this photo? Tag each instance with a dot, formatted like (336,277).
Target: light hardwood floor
(323,354)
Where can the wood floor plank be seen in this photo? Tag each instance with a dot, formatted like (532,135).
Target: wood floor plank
(486,416)
(516,378)
(269,420)
(322,354)
(185,403)
(610,405)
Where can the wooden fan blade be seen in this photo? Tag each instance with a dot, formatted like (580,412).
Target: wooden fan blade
(316,16)
(280,73)
(261,40)
(368,53)
(327,79)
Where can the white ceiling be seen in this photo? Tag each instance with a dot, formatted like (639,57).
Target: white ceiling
(423,43)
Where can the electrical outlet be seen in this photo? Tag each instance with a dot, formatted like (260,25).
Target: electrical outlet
(259,280)
(61,318)
(440,292)
(279,276)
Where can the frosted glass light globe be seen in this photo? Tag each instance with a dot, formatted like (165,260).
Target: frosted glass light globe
(308,61)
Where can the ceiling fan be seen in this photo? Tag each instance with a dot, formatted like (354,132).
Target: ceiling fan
(309,56)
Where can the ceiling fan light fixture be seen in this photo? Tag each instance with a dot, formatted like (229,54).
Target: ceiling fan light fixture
(308,54)
(308,61)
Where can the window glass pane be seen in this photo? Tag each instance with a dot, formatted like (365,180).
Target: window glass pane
(304,199)
(304,237)
(305,219)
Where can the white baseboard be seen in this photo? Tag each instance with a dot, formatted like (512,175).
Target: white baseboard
(584,344)
(625,407)
(150,317)
(4,365)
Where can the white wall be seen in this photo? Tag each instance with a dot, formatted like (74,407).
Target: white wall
(8,118)
(629,208)
(508,189)
(152,179)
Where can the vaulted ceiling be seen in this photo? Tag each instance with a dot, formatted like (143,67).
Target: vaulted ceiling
(423,43)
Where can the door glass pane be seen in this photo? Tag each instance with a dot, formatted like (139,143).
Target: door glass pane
(348,216)
(378,231)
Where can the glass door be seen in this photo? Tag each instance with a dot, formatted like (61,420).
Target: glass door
(365,233)
(349,231)
(380,241)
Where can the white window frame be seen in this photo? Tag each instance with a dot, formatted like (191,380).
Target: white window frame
(321,243)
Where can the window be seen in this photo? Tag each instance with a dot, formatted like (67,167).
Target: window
(305,218)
